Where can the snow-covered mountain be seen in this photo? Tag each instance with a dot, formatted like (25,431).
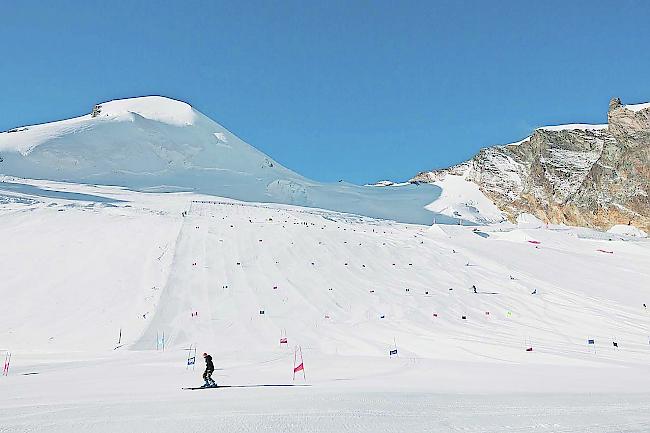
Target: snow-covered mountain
(160,144)
(107,293)
(140,143)
(578,174)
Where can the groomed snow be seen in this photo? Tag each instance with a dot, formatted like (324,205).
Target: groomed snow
(83,263)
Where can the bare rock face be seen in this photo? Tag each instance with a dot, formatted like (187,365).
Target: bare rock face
(585,175)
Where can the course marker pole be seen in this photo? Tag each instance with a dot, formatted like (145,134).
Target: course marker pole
(191,357)
(591,342)
(5,367)
(299,367)
(393,351)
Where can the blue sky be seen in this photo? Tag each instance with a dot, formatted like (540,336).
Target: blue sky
(353,90)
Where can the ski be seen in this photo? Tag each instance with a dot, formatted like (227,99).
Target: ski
(203,387)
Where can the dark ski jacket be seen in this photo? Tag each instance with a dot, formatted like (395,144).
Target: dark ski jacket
(209,366)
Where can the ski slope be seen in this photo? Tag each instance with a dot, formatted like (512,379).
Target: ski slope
(138,264)
(93,276)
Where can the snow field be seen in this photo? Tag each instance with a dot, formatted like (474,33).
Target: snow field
(60,316)
(400,272)
(324,278)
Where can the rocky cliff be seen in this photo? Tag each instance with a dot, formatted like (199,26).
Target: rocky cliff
(586,175)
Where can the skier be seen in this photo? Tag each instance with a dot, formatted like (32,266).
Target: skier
(474,288)
(534,292)
(207,374)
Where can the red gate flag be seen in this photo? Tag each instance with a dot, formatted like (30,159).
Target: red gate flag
(5,368)
(298,367)
(283,341)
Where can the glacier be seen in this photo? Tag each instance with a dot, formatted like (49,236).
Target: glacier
(159,144)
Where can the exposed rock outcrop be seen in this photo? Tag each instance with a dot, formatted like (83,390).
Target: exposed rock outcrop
(587,175)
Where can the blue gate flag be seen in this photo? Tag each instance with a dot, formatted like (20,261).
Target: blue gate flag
(393,352)
(191,361)
(590,341)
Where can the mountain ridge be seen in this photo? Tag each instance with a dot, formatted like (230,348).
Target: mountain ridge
(153,143)
(576,174)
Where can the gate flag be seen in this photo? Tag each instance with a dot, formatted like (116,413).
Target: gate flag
(298,366)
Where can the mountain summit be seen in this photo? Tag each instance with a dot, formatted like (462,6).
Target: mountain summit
(155,143)
(139,142)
